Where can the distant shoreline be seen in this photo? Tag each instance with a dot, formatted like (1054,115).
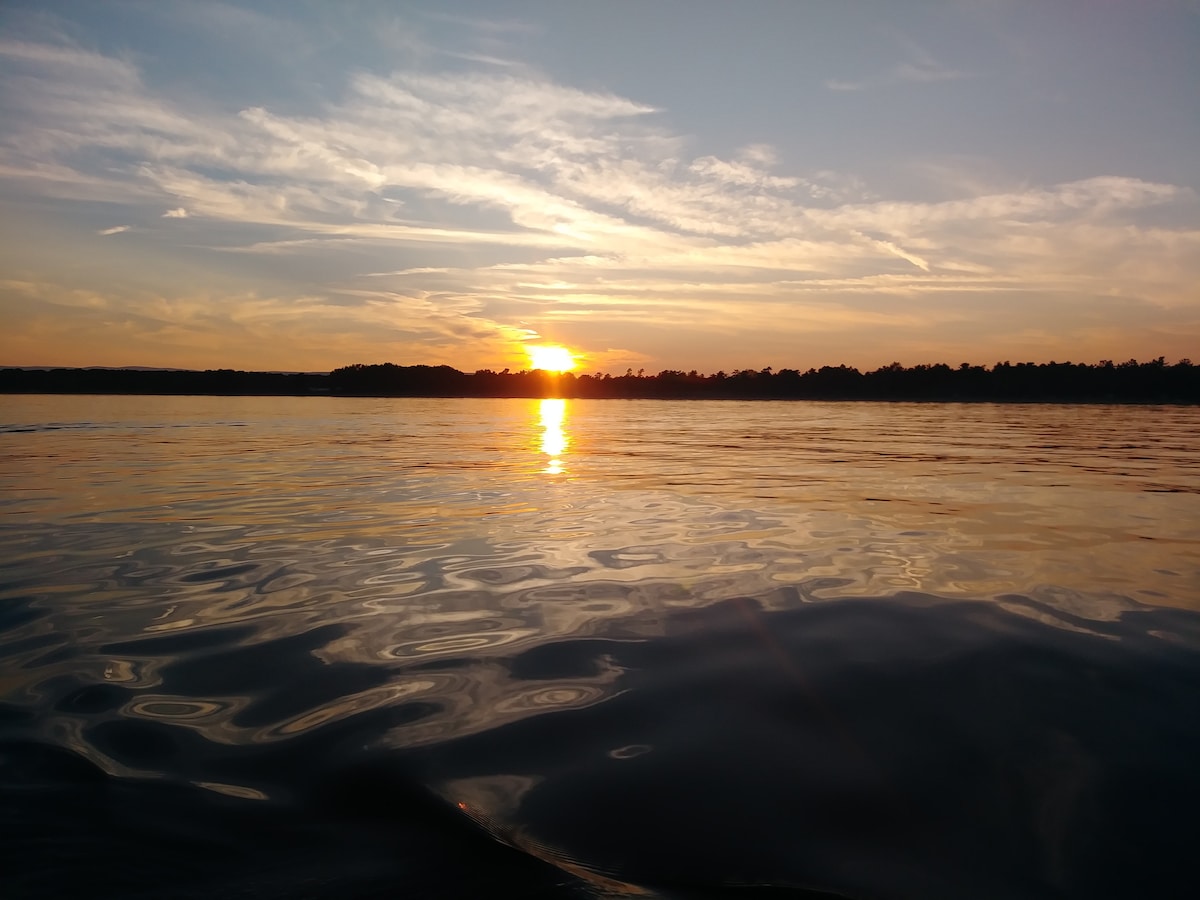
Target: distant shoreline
(1105,382)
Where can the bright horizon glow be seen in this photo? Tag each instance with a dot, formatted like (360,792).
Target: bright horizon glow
(551,358)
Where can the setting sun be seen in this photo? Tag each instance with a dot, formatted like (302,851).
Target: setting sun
(551,358)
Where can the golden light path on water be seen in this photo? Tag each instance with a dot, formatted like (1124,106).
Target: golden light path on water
(553,413)
(794,617)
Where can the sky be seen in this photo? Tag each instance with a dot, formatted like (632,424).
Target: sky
(702,185)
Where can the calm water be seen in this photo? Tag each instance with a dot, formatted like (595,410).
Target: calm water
(380,648)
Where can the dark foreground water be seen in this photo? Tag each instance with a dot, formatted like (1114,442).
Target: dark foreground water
(337,648)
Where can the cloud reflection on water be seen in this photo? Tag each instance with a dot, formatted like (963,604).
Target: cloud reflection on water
(303,602)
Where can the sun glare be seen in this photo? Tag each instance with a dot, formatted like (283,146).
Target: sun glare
(554,438)
(551,358)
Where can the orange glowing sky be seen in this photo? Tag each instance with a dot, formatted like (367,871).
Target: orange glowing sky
(550,358)
(304,186)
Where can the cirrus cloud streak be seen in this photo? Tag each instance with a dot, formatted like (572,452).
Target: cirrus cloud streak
(448,215)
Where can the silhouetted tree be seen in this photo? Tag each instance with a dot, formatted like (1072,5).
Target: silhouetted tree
(1130,381)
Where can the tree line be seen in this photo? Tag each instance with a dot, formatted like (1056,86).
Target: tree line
(1155,381)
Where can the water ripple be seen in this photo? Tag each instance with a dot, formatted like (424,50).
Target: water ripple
(805,633)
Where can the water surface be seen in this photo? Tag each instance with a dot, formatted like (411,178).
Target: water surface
(318,647)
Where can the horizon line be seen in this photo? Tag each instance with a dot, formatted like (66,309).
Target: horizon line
(579,372)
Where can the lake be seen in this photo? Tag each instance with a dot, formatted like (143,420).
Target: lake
(319,647)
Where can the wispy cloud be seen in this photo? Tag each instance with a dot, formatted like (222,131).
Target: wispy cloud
(927,72)
(485,24)
(481,201)
(919,68)
(486,59)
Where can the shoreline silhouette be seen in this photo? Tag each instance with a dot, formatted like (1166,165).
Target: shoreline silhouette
(1155,381)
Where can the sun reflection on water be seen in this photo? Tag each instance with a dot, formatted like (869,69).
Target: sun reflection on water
(554,439)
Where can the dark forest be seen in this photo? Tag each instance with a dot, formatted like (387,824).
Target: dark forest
(1155,381)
